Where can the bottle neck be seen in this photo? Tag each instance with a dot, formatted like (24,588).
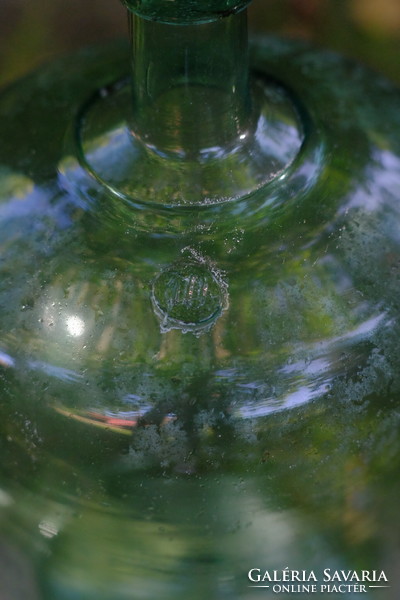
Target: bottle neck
(183,11)
(190,86)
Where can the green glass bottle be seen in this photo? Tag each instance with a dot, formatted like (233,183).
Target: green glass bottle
(199,312)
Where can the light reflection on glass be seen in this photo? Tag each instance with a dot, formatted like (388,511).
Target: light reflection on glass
(48,529)
(5,499)
(6,360)
(75,326)
(380,182)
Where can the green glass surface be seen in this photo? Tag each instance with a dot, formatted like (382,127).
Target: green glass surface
(190,391)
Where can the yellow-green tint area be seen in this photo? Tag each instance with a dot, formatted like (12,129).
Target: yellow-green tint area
(364,29)
(32,33)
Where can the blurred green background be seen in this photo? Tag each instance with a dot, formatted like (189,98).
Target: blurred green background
(32,31)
